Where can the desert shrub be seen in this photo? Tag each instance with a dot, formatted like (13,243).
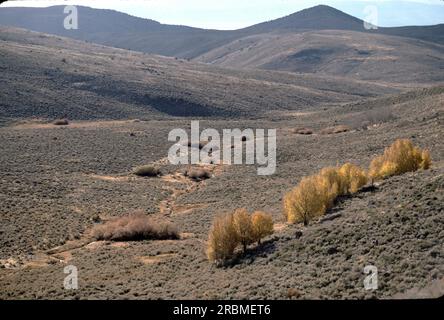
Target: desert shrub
(293,293)
(244,227)
(402,156)
(61,122)
(198,174)
(262,224)
(222,240)
(147,171)
(336,129)
(133,228)
(303,131)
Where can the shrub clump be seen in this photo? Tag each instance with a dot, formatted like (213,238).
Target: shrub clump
(314,195)
(147,171)
(402,156)
(61,122)
(334,130)
(302,131)
(134,227)
(198,174)
(234,229)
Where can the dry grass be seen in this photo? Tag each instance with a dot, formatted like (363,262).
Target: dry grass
(147,171)
(134,227)
(402,156)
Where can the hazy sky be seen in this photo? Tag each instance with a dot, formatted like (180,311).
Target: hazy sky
(233,14)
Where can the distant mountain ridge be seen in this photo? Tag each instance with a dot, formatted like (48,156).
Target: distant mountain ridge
(121,30)
(321,40)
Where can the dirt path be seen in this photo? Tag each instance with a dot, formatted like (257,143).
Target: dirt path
(178,184)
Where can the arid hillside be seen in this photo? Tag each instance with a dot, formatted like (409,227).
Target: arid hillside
(58,182)
(86,181)
(339,53)
(50,77)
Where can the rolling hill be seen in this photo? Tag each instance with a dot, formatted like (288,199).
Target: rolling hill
(120,30)
(50,77)
(340,53)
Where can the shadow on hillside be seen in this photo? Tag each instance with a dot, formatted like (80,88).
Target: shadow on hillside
(257,251)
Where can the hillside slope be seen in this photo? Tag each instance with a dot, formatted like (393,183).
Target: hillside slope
(341,53)
(116,29)
(50,77)
(58,182)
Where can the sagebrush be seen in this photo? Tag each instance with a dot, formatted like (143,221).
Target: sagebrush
(147,171)
(61,122)
(134,227)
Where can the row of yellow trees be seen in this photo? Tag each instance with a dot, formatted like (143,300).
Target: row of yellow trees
(311,198)
(314,195)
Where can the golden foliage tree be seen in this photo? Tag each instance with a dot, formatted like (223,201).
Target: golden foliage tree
(243,226)
(303,202)
(353,178)
(233,229)
(262,225)
(402,156)
(222,240)
(314,195)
